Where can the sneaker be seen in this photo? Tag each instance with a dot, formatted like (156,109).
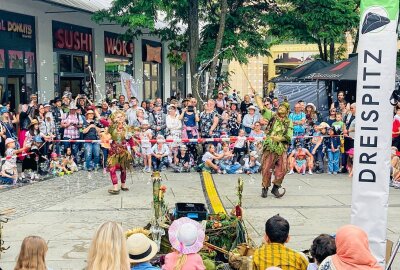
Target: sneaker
(334,173)
(104,171)
(291,172)
(36,176)
(239,171)
(22,175)
(145,169)
(329,172)
(148,170)
(310,172)
(303,172)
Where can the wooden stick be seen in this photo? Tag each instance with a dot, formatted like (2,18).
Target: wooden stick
(216,248)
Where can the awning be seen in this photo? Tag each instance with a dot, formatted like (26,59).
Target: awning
(90,6)
(301,71)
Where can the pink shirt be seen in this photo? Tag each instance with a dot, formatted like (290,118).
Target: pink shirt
(193,262)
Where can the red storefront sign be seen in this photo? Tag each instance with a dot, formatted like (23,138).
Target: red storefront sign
(114,46)
(71,37)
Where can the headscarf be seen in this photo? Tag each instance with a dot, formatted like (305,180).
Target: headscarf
(352,250)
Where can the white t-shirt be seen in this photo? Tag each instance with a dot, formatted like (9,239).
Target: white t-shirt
(207,156)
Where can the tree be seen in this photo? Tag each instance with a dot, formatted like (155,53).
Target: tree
(315,21)
(239,25)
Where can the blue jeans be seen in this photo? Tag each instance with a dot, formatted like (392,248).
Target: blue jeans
(252,170)
(159,163)
(92,150)
(333,161)
(230,169)
(318,158)
(105,156)
(73,146)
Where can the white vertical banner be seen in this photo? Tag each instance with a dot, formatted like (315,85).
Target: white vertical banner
(128,86)
(377,50)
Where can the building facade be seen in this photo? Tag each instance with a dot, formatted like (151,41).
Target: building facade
(49,48)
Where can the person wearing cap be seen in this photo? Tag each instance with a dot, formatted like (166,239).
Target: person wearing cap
(141,250)
(157,120)
(145,135)
(300,159)
(220,102)
(251,163)
(92,149)
(182,160)
(279,133)
(71,124)
(114,105)
(10,165)
(250,119)
(317,146)
(108,248)
(186,237)
(159,154)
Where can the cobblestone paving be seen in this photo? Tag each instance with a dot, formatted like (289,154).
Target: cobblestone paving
(34,197)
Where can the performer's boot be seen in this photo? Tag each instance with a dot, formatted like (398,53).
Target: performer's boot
(275,191)
(264,192)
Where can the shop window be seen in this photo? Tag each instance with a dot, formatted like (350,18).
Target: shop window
(2,59)
(113,78)
(78,64)
(30,63)
(151,79)
(65,63)
(16,59)
(178,81)
(55,63)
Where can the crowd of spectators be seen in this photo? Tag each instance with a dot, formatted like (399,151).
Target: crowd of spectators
(111,249)
(319,145)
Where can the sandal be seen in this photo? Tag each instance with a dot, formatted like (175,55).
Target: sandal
(113,191)
(124,189)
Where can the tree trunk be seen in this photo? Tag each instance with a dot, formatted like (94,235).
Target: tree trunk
(321,52)
(325,50)
(355,45)
(219,69)
(332,52)
(218,45)
(194,43)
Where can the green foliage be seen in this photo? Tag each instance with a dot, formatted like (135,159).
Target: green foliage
(314,21)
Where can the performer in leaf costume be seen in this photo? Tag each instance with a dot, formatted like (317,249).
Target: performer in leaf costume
(279,134)
(120,156)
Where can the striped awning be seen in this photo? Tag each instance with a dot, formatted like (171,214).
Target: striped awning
(90,6)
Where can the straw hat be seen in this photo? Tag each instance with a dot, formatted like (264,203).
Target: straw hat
(312,105)
(89,111)
(186,235)
(34,122)
(140,248)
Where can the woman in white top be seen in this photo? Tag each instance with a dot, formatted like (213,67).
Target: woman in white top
(174,124)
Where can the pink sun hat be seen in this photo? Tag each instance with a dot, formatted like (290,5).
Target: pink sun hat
(186,235)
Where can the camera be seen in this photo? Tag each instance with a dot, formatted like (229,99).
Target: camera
(190,109)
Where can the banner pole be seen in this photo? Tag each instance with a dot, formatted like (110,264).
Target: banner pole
(377,51)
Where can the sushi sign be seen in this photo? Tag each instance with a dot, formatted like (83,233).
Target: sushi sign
(375,84)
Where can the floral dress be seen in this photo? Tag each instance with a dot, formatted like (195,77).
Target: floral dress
(206,122)
(233,125)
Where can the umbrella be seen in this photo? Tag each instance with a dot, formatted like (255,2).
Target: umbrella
(301,71)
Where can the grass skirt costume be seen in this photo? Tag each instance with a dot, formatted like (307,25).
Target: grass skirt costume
(119,156)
